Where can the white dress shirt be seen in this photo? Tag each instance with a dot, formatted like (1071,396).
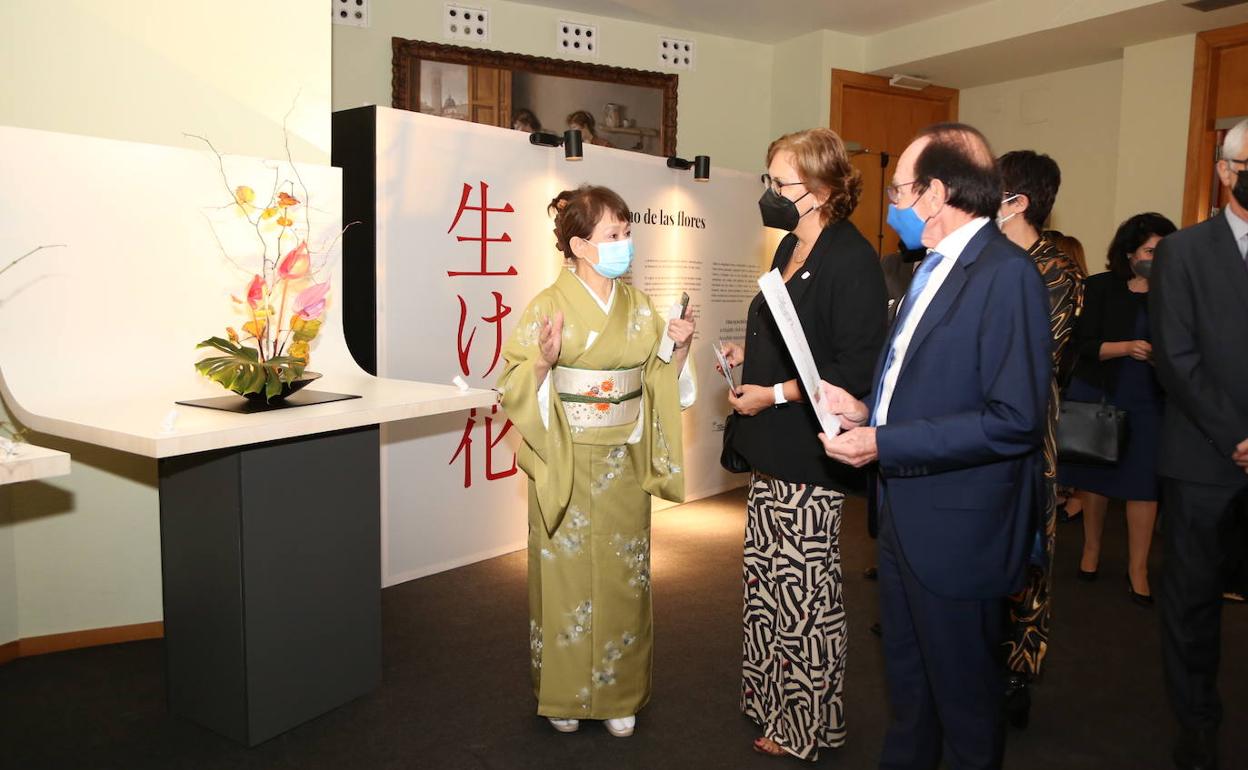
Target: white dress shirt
(1239,228)
(949,249)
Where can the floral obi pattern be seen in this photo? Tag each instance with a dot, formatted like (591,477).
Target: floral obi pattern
(595,398)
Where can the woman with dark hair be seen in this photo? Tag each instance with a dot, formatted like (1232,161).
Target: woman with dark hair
(793,668)
(599,413)
(584,122)
(1031,182)
(1115,363)
(525,120)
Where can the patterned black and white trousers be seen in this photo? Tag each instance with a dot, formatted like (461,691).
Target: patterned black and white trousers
(793,668)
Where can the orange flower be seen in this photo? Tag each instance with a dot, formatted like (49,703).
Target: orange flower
(285,221)
(602,407)
(607,386)
(233,335)
(286,201)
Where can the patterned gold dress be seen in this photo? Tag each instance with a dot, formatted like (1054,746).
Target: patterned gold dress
(601,436)
(1027,642)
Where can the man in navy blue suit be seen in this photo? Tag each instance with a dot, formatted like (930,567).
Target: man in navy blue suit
(956,424)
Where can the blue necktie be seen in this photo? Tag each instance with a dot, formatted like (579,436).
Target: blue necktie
(921,275)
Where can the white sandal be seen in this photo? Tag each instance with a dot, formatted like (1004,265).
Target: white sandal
(565,725)
(622,727)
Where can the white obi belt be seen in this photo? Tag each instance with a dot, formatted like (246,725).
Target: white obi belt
(594,398)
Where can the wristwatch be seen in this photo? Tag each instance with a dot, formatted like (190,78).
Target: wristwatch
(779,389)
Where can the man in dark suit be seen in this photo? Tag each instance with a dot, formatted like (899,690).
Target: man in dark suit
(1198,309)
(956,423)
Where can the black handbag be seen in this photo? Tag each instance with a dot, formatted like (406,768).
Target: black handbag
(732,460)
(1090,433)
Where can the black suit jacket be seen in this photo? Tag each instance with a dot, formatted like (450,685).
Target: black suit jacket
(1109,309)
(840,298)
(1199,313)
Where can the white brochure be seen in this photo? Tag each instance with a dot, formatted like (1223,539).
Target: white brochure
(781,305)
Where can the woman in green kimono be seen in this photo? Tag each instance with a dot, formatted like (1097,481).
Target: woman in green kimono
(599,411)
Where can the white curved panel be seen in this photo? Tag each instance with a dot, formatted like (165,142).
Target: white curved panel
(97,339)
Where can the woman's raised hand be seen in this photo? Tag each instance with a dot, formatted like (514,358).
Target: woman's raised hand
(681,330)
(550,339)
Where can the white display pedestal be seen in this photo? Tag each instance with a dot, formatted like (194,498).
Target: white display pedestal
(32,463)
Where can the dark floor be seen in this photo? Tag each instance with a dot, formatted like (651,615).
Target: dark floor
(456,689)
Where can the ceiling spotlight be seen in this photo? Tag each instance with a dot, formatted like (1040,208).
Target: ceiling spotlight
(570,141)
(701,165)
(701,168)
(544,139)
(572,149)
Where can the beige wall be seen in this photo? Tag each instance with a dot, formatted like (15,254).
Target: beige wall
(1072,116)
(1152,131)
(724,105)
(801,94)
(83,551)
(985,23)
(1118,130)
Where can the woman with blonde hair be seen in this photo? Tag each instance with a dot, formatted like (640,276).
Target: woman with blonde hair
(599,412)
(793,668)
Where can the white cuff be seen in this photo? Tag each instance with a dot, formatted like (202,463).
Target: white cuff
(543,401)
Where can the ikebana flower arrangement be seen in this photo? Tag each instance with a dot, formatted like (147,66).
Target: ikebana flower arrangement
(279,310)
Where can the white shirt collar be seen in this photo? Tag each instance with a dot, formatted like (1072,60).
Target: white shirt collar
(606,306)
(953,244)
(1239,227)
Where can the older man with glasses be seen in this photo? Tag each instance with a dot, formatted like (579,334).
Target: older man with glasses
(955,423)
(1199,314)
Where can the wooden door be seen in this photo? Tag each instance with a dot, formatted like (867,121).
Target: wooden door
(489,96)
(883,120)
(1219,91)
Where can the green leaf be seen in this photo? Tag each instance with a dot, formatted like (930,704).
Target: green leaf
(307,331)
(241,370)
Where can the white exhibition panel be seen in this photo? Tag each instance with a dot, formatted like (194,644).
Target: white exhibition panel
(97,338)
(442,505)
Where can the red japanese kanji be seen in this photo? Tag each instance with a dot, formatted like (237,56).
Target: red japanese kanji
(484,237)
(465,448)
(465,347)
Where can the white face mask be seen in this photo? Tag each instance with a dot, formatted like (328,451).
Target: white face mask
(1002,220)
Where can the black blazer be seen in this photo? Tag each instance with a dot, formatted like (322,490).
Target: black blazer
(1109,309)
(1199,317)
(840,298)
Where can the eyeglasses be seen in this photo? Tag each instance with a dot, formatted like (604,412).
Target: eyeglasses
(894,190)
(775,185)
(1240,161)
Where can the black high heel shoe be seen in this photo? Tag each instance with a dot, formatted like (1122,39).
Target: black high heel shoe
(1087,577)
(1140,599)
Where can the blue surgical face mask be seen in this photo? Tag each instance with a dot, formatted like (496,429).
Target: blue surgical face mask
(908,225)
(614,258)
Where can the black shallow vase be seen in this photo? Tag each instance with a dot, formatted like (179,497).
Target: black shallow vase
(288,388)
